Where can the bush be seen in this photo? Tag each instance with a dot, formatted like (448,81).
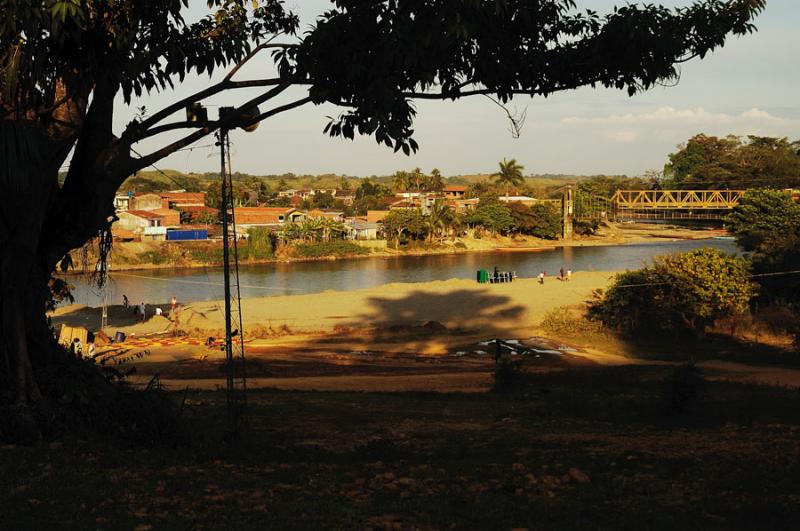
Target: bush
(331,248)
(679,293)
(562,320)
(260,243)
(586,227)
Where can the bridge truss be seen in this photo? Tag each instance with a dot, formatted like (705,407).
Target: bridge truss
(658,204)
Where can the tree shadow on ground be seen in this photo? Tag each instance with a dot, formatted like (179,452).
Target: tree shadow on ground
(714,346)
(421,319)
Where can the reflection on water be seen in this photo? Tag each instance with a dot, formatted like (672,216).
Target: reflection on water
(189,285)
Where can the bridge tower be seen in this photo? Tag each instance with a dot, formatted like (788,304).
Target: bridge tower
(567,213)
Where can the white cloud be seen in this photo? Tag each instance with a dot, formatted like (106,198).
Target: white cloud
(671,115)
(624,136)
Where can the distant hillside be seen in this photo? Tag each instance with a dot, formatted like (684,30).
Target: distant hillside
(545,185)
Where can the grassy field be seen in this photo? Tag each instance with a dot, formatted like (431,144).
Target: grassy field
(626,447)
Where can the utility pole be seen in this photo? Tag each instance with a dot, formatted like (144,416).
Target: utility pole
(236,378)
(234,354)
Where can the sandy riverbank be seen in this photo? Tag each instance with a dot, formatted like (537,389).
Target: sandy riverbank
(456,304)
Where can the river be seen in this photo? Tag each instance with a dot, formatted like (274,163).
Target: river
(200,284)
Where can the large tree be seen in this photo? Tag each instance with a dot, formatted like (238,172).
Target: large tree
(67,66)
(734,162)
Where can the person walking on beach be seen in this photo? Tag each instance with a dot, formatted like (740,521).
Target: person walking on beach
(561,274)
(541,277)
(142,311)
(173,304)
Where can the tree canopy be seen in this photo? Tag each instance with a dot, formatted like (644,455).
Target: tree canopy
(734,162)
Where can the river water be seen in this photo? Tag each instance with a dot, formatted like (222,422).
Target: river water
(200,284)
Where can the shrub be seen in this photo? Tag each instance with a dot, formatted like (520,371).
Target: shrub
(260,243)
(331,248)
(562,320)
(679,293)
(586,227)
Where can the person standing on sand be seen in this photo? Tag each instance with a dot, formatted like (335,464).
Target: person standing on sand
(125,302)
(541,277)
(569,274)
(142,311)
(561,274)
(76,348)
(173,304)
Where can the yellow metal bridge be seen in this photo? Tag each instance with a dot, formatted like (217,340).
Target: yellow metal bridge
(644,200)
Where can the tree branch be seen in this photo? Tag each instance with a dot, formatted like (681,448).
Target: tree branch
(227,123)
(253,53)
(138,130)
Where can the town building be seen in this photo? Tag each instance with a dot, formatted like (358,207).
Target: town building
(362,230)
(146,201)
(524,199)
(147,224)
(454,192)
(267,216)
(181,200)
(325,214)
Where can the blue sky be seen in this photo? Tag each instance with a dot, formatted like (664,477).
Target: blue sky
(748,87)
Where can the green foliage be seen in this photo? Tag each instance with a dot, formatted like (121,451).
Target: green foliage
(260,243)
(510,175)
(368,188)
(339,248)
(564,321)
(734,162)
(762,215)
(404,224)
(142,47)
(417,181)
(542,220)
(586,227)
(207,218)
(767,222)
(491,215)
(441,44)
(679,293)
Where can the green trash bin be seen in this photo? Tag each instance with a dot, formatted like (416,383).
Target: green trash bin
(483,276)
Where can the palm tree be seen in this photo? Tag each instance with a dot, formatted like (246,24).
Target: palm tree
(401,181)
(418,179)
(510,174)
(440,218)
(435,181)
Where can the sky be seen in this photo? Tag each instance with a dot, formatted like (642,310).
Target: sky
(748,87)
